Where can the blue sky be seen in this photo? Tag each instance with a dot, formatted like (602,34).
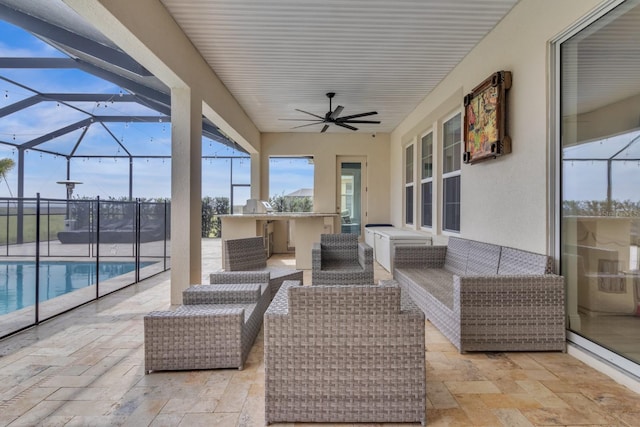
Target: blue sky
(107,176)
(585,168)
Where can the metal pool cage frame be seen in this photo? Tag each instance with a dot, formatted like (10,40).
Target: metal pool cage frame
(87,50)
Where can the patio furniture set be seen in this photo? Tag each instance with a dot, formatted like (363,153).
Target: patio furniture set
(344,350)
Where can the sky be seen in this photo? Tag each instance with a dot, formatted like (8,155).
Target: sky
(585,168)
(107,176)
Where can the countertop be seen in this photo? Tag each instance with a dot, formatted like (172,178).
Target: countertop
(280,215)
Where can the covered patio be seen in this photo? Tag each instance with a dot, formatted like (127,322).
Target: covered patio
(244,67)
(86,367)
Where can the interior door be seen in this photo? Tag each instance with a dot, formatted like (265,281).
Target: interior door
(352,194)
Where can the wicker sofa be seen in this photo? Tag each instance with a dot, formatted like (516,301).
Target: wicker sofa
(485,297)
(344,354)
(214,328)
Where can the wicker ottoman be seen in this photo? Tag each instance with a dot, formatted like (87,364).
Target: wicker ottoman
(216,329)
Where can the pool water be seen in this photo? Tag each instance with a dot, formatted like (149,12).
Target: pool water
(18,278)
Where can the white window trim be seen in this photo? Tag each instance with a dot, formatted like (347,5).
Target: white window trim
(406,185)
(451,174)
(444,230)
(426,180)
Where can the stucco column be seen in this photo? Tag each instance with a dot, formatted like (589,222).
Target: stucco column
(255,178)
(186,198)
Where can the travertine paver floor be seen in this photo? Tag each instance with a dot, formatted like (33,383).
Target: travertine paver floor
(85,368)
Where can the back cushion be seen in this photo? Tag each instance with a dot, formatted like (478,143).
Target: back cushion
(483,258)
(516,261)
(244,254)
(339,248)
(457,253)
(340,300)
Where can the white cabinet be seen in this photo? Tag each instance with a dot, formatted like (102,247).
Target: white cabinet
(369,235)
(387,238)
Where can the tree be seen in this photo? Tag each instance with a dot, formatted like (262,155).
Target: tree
(282,203)
(212,207)
(6,165)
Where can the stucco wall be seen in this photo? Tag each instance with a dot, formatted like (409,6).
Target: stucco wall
(503,201)
(325,148)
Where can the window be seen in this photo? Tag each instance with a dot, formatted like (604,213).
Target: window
(408,184)
(427,179)
(291,184)
(451,146)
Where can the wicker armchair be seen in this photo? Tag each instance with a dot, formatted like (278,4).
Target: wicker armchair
(248,254)
(340,260)
(344,354)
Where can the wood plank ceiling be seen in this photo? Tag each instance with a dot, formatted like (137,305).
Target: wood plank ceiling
(280,55)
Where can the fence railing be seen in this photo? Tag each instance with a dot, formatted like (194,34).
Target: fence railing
(56,255)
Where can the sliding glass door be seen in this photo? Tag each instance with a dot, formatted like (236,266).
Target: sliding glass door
(600,180)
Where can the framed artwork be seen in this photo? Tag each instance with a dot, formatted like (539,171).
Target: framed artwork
(485,115)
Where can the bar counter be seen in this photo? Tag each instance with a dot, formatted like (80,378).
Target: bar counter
(281,230)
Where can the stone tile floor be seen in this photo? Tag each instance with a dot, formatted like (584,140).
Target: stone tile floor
(85,368)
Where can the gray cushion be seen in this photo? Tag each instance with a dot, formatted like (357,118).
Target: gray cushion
(516,261)
(457,253)
(483,259)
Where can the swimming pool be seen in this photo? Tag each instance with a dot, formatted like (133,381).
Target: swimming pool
(18,278)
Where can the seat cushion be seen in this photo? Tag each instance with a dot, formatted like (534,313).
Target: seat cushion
(241,293)
(436,281)
(211,309)
(341,265)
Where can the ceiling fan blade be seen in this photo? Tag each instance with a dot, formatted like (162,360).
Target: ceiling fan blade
(359,121)
(308,124)
(336,112)
(311,114)
(301,120)
(324,129)
(353,116)
(345,126)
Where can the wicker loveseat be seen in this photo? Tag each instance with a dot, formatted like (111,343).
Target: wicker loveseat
(215,328)
(344,354)
(485,297)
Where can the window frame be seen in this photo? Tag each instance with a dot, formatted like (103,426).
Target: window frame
(451,174)
(426,180)
(409,202)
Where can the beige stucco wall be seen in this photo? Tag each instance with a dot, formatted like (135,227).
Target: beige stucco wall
(505,200)
(325,148)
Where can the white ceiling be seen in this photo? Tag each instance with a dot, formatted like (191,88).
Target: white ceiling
(276,56)
(280,55)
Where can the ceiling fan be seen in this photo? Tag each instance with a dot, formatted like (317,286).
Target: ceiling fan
(333,117)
